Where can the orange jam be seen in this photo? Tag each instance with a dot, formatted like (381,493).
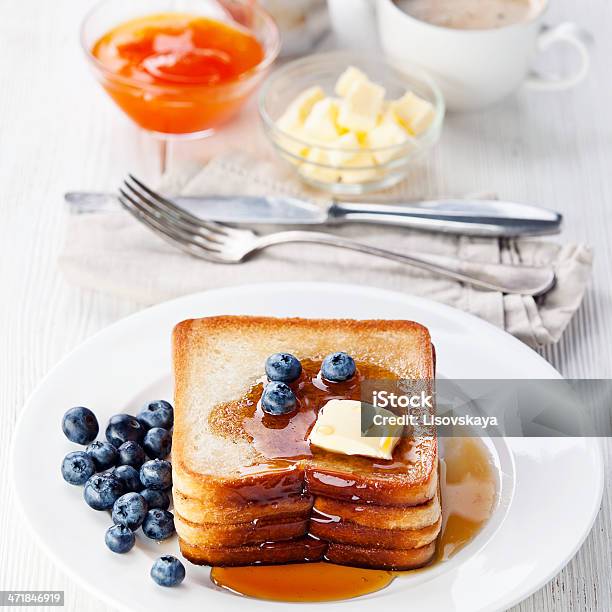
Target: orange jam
(177,73)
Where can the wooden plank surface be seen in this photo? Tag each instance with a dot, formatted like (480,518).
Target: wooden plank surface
(58,132)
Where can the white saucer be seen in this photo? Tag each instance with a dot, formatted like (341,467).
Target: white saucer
(550,489)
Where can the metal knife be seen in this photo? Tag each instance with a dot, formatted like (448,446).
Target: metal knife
(474,217)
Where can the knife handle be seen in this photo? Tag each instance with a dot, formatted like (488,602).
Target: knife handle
(490,218)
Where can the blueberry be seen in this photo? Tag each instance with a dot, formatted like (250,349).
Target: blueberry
(338,367)
(129,477)
(131,453)
(104,455)
(157,414)
(156,474)
(283,367)
(157,443)
(156,499)
(77,468)
(168,571)
(120,539)
(158,524)
(80,425)
(124,428)
(102,491)
(278,398)
(130,510)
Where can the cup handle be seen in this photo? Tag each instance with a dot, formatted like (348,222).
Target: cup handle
(570,34)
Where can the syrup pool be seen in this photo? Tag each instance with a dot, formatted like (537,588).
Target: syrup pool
(301,582)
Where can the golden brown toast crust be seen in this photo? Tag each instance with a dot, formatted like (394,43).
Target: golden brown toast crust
(373,515)
(292,551)
(358,556)
(241,534)
(266,485)
(195,511)
(386,489)
(345,532)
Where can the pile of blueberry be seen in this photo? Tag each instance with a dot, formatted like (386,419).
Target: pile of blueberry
(283,368)
(127,474)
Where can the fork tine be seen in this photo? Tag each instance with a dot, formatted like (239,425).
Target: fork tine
(161,233)
(138,187)
(168,216)
(190,249)
(178,238)
(166,223)
(211,226)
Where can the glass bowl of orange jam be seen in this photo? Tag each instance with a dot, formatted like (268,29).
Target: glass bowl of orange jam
(180,69)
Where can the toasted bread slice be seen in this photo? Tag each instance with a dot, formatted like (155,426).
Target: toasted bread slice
(354,480)
(214,535)
(263,483)
(372,515)
(359,556)
(195,511)
(218,359)
(290,551)
(371,537)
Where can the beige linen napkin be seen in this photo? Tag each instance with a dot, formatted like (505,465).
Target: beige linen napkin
(109,251)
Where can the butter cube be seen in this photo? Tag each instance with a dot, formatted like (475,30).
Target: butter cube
(300,108)
(338,430)
(311,168)
(414,113)
(347,79)
(388,133)
(360,109)
(321,125)
(360,169)
(348,148)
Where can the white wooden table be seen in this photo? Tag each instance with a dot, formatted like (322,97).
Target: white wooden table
(59,132)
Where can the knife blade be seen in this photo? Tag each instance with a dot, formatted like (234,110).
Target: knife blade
(475,217)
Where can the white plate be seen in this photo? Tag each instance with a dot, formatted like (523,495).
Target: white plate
(550,489)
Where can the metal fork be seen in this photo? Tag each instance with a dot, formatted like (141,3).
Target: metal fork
(220,243)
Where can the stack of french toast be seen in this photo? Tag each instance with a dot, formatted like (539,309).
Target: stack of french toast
(250,487)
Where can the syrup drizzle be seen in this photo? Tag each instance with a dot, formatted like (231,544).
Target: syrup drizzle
(468,490)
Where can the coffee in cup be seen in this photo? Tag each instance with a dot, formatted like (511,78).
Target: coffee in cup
(472,14)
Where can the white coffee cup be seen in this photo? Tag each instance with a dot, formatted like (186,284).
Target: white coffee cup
(474,68)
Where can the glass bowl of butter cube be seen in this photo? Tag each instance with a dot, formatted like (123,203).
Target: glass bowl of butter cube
(351,124)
